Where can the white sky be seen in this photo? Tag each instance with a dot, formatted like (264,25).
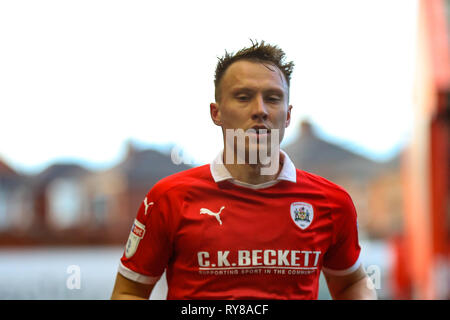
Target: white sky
(78,78)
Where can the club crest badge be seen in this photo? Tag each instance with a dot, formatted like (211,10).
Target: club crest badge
(302,214)
(136,234)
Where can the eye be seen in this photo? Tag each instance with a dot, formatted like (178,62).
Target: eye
(274,99)
(242,97)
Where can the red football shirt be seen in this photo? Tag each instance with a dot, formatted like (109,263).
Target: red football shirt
(218,238)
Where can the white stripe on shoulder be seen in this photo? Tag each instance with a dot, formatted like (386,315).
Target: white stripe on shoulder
(134,276)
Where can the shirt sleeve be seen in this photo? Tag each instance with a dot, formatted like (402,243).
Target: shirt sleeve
(343,256)
(148,248)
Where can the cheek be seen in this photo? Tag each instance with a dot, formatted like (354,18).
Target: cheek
(232,116)
(280,123)
(280,119)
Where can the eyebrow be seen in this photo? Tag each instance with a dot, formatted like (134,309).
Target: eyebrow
(272,90)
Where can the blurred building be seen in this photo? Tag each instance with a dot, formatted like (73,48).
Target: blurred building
(58,202)
(115,194)
(16,201)
(67,204)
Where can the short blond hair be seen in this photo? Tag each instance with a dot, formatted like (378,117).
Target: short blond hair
(260,52)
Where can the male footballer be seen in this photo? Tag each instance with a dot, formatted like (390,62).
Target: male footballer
(249,225)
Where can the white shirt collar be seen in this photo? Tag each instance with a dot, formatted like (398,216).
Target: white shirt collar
(220,173)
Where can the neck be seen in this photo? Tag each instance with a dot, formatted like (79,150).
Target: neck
(251,173)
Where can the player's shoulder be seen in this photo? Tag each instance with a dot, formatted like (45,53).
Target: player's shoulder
(331,189)
(181,181)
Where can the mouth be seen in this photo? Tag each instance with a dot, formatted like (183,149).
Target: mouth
(260,130)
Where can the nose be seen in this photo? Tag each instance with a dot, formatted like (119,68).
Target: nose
(259,110)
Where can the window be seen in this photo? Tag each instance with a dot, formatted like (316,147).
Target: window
(64,199)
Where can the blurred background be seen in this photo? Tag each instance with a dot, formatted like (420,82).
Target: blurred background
(96,98)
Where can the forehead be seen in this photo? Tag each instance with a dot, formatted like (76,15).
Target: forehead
(253,74)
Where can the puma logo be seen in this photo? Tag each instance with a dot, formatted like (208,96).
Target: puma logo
(215,214)
(147,205)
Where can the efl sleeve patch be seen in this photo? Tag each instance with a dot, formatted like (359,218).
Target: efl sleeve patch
(136,234)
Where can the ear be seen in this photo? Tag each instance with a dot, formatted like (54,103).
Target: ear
(215,113)
(288,116)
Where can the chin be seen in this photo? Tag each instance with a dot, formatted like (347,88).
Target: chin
(257,150)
